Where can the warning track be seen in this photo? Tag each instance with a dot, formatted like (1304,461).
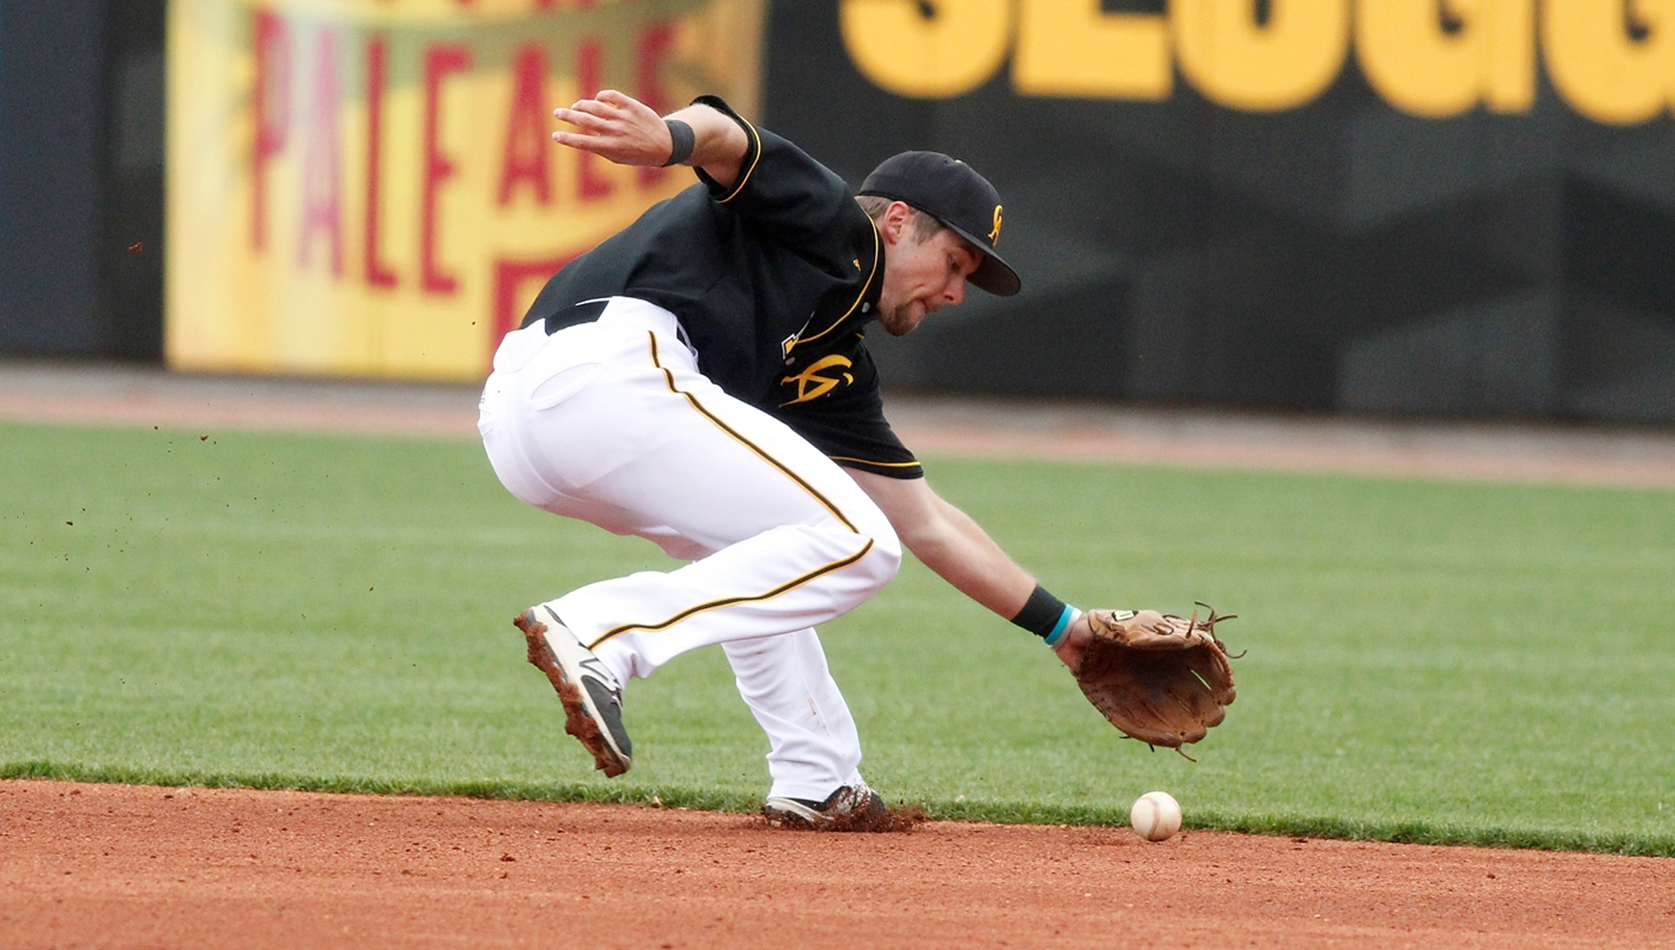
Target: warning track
(932,426)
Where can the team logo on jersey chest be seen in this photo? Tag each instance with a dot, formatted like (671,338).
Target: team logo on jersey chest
(811,385)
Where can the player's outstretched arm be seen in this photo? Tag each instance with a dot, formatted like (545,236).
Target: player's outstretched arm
(951,543)
(620,128)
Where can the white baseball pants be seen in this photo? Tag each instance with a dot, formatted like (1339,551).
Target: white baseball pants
(611,422)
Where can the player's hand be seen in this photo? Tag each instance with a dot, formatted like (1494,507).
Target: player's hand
(1074,642)
(616,127)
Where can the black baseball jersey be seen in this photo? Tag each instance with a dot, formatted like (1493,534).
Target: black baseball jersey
(773,280)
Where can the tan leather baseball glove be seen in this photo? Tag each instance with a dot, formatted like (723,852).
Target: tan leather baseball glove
(1162,679)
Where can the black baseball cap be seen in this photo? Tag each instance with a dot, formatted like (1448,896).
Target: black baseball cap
(952,192)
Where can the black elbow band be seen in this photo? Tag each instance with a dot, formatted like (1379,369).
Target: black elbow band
(684,141)
(1043,614)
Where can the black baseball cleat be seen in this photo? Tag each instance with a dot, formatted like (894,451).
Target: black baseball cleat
(850,808)
(591,695)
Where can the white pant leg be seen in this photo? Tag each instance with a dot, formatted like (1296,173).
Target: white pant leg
(813,746)
(610,422)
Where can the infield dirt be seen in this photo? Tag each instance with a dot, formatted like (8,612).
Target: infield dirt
(1630,457)
(124,866)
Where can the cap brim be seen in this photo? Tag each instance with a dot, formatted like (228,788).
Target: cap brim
(993,274)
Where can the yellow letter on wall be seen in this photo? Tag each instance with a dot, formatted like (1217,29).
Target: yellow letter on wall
(1418,66)
(1236,61)
(1073,48)
(927,48)
(1600,67)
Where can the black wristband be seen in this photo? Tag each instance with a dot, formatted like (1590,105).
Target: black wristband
(680,134)
(1041,613)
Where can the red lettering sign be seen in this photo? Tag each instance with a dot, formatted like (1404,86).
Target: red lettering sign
(441,59)
(378,274)
(509,280)
(322,173)
(526,127)
(270,108)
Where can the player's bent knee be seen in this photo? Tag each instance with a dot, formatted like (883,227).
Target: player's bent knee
(885,555)
(883,558)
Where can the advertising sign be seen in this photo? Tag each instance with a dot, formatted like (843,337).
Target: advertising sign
(1611,60)
(368,187)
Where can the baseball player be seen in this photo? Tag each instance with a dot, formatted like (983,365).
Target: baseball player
(700,379)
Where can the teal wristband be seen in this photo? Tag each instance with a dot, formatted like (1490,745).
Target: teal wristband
(1065,619)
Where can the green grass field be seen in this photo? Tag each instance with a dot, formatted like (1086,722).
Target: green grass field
(1435,662)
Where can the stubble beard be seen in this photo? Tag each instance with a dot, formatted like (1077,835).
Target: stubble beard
(899,321)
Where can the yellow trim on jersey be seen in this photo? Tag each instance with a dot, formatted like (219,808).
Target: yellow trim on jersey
(738,186)
(845,458)
(745,173)
(800,340)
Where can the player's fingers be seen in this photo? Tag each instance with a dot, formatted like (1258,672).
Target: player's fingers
(615,99)
(587,143)
(616,127)
(582,117)
(610,145)
(596,106)
(627,109)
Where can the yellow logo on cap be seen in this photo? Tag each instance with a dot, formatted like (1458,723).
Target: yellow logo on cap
(994,236)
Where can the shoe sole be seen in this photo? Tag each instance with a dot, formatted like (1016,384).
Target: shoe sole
(581,719)
(795,816)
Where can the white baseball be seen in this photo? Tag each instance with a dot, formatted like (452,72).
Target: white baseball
(1156,816)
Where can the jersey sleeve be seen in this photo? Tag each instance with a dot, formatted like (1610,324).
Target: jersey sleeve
(785,192)
(835,404)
